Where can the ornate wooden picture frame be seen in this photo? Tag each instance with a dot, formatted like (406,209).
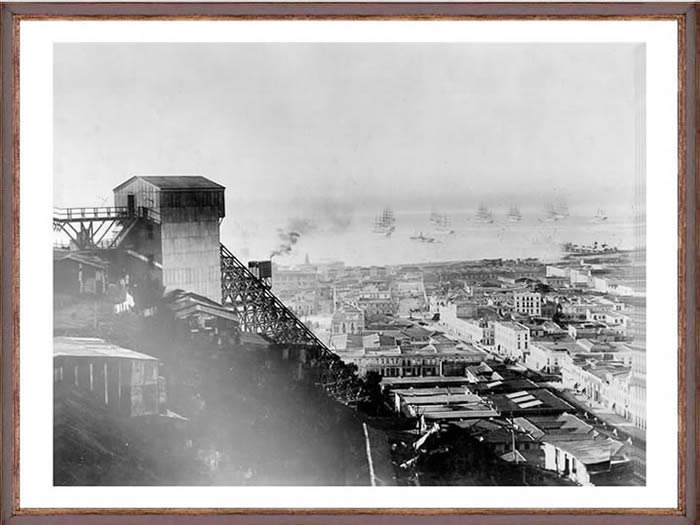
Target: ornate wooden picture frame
(13,512)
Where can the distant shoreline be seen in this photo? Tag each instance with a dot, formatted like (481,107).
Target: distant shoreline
(567,259)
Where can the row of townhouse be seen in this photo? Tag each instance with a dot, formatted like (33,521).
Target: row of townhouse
(461,324)
(582,277)
(520,424)
(511,340)
(561,443)
(604,383)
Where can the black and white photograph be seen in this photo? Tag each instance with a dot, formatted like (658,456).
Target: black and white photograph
(349,264)
(343,264)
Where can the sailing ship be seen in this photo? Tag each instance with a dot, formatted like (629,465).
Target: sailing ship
(555,212)
(384,223)
(600,216)
(483,215)
(441,222)
(561,209)
(422,238)
(514,214)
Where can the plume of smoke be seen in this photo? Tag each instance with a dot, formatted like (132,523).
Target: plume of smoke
(330,215)
(303,226)
(290,235)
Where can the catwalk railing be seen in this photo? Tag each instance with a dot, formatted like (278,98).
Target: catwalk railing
(99,227)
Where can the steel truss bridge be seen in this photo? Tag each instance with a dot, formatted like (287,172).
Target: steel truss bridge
(260,311)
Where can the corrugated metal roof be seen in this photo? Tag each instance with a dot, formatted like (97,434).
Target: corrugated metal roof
(463,414)
(399,381)
(442,400)
(83,258)
(549,402)
(411,391)
(513,456)
(530,404)
(591,451)
(93,347)
(176,182)
(517,394)
(214,311)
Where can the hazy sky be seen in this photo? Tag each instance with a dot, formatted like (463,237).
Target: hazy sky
(350,128)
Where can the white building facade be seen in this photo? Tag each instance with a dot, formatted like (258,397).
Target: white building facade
(529,303)
(511,339)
